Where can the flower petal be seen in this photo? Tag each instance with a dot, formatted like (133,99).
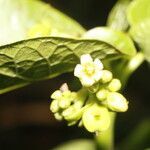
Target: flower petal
(98,64)
(56,95)
(78,70)
(86,58)
(86,81)
(97,75)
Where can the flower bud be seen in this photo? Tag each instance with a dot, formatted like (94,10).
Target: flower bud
(66,99)
(58,116)
(69,111)
(117,102)
(66,94)
(96,118)
(71,96)
(106,76)
(114,85)
(54,106)
(72,113)
(64,103)
(56,95)
(81,96)
(102,94)
(78,104)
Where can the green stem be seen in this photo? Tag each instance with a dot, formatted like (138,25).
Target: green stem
(132,65)
(105,140)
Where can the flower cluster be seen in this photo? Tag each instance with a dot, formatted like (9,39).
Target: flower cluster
(68,105)
(91,105)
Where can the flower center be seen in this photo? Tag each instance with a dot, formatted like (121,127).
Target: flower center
(97,117)
(89,69)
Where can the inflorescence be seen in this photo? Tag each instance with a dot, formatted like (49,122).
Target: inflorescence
(91,105)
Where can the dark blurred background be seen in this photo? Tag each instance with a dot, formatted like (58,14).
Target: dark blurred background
(25,119)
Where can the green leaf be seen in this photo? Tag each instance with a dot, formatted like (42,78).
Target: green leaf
(139,138)
(118,39)
(44,58)
(138,11)
(117,17)
(23,19)
(82,144)
(141,34)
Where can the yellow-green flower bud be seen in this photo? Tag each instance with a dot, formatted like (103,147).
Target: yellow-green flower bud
(56,95)
(96,118)
(78,104)
(58,116)
(64,103)
(102,94)
(114,85)
(66,94)
(117,102)
(106,76)
(69,111)
(54,106)
(80,98)
(71,96)
(65,98)
(72,113)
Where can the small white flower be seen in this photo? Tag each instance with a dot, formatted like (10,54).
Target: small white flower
(89,72)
